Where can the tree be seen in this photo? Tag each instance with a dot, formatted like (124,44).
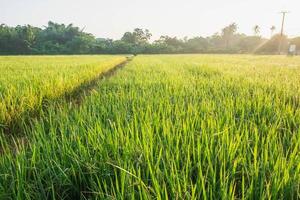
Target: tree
(58,38)
(249,44)
(196,45)
(17,40)
(256,30)
(228,32)
(137,40)
(273,28)
(137,37)
(173,44)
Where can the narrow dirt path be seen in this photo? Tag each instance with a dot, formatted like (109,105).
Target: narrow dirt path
(77,95)
(15,132)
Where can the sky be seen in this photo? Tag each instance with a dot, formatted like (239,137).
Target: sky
(111,18)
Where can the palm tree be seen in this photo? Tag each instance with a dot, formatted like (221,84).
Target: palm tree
(273,28)
(256,30)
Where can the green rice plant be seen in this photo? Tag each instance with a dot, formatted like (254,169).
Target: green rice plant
(168,127)
(26,81)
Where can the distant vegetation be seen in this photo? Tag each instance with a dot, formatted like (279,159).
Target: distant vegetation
(67,39)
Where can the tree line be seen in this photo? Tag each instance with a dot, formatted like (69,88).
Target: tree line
(58,38)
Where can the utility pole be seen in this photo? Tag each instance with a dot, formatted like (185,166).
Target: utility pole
(281,32)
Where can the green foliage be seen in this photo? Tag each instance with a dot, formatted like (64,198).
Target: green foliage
(197,44)
(67,39)
(137,37)
(18,40)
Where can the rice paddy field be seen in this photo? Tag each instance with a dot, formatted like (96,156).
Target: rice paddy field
(162,127)
(26,81)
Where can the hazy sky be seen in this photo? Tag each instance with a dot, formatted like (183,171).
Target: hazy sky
(111,18)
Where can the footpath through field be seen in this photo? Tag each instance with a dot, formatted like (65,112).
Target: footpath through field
(29,84)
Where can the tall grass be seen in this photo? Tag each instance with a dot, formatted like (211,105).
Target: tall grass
(25,81)
(168,127)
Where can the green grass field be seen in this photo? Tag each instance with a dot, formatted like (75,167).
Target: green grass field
(26,81)
(163,127)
